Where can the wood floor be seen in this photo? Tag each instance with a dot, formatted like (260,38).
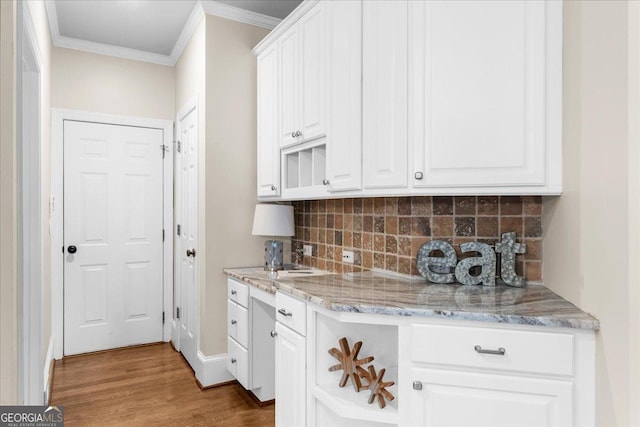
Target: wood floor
(147,386)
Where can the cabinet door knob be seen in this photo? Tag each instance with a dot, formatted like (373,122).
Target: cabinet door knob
(418,175)
(297,134)
(417,385)
(285,312)
(273,334)
(499,352)
(293,134)
(325,182)
(234,293)
(191,253)
(233,322)
(233,360)
(273,187)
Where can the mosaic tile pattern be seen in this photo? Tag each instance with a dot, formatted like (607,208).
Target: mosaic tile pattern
(387,232)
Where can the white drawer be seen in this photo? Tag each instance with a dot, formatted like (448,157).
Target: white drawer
(238,323)
(238,362)
(238,292)
(524,351)
(291,312)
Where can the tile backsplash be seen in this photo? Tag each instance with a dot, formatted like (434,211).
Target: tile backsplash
(386,233)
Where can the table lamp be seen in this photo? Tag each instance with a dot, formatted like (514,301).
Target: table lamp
(273,220)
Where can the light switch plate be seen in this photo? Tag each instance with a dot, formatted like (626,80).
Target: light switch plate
(307,250)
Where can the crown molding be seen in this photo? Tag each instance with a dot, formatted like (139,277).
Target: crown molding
(233,13)
(284,25)
(202,7)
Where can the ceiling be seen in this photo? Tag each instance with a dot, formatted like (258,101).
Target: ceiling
(149,30)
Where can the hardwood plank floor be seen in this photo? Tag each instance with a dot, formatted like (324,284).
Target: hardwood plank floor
(147,386)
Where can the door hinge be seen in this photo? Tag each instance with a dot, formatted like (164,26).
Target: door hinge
(164,149)
(163,234)
(177,312)
(163,317)
(179,148)
(63,249)
(178,229)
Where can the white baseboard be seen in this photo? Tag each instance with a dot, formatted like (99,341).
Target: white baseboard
(212,370)
(47,370)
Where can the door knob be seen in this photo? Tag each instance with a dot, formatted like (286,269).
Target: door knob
(72,249)
(191,252)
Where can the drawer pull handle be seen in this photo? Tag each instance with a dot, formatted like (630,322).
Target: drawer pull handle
(500,352)
(234,293)
(273,334)
(233,322)
(233,360)
(285,312)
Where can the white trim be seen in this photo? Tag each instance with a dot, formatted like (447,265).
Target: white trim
(48,379)
(212,370)
(58,116)
(233,13)
(284,25)
(187,31)
(29,160)
(202,7)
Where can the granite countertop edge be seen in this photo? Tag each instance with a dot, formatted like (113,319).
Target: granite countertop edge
(579,320)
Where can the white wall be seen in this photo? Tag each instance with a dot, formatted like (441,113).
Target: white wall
(106,84)
(589,230)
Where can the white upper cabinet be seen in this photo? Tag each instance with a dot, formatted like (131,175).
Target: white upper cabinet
(302,79)
(344,79)
(485,94)
(268,147)
(384,93)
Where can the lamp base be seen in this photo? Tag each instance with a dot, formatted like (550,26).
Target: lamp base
(273,255)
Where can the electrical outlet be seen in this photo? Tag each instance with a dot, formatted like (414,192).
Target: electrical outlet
(307,250)
(347,257)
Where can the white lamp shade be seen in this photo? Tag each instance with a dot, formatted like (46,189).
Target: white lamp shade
(273,220)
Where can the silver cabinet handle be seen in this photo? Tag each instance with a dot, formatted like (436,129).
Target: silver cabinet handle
(233,322)
(325,182)
(234,293)
(417,385)
(285,312)
(273,187)
(298,133)
(273,334)
(293,134)
(233,360)
(418,175)
(500,351)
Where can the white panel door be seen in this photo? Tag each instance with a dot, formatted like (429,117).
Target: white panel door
(187,289)
(112,235)
(312,73)
(344,63)
(268,138)
(289,72)
(450,398)
(477,92)
(290,378)
(384,86)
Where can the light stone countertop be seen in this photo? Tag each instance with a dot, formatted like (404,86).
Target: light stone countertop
(376,293)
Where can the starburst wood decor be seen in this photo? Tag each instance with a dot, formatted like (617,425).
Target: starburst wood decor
(350,364)
(378,387)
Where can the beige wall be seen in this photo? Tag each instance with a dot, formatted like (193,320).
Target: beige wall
(8,213)
(588,231)
(230,168)
(105,84)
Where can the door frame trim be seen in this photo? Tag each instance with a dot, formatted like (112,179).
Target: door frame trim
(58,116)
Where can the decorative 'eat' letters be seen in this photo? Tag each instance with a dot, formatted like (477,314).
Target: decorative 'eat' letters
(487,261)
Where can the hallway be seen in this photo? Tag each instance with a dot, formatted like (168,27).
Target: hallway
(149,385)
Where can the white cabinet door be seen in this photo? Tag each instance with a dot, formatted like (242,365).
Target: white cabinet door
(290,378)
(384,80)
(312,55)
(344,71)
(451,398)
(483,91)
(268,136)
(289,85)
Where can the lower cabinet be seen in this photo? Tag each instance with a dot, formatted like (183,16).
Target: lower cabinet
(442,397)
(290,377)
